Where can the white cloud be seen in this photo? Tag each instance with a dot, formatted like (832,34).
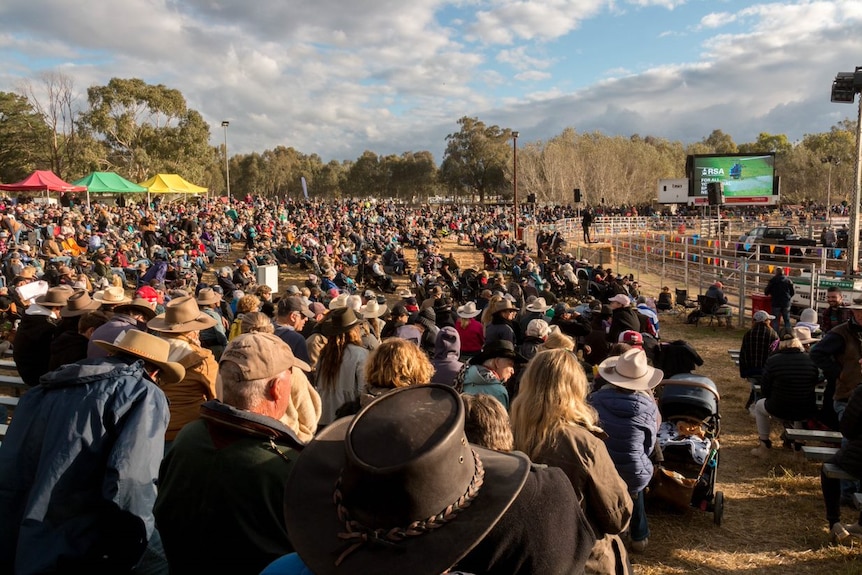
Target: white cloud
(532,76)
(520,60)
(717,20)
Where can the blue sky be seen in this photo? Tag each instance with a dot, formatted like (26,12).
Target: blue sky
(337,77)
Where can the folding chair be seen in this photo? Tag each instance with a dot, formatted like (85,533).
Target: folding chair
(682,303)
(709,307)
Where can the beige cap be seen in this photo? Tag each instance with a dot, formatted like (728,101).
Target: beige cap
(261,355)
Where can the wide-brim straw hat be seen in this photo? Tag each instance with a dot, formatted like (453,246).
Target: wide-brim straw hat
(208,296)
(363,482)
(468,310)
(55,296)
(373,309)
(338,302)
(149,348)
(803,334)
(140,305)
(181,315)
(538,305)
(630,371)
(112,296)
(79,303)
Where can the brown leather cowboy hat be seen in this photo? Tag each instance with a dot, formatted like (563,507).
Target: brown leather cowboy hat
(338,321)
(181,315)
(79,303)
(397,488)
(499,348)
(148,347)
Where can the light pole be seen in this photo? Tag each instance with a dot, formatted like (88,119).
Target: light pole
(515,181)
(845,86)
(224,125)
(832,161)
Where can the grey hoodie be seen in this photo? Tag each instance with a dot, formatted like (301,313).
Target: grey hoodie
(447,349)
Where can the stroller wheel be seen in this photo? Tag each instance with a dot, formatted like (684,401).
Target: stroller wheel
(718,508)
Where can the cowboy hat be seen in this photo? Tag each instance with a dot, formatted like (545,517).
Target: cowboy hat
(55,296)
(208,296)
(468,310)
(630,371)
(405,293)
(149,348)
(372,309)
(338,321)
(538,305)
(803,334)
(402,461)
(501,306)
(338,301)
(26,274)
(140,305)
(79,303)
(181,315)
(427,318)
(112,296)
(499,348)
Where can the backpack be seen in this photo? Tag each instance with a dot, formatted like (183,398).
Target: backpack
(694,316)
(235,328)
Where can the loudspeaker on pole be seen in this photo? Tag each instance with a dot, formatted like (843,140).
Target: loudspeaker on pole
(715,193)
(577,195)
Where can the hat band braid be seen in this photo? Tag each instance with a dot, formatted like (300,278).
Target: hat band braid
(360,534)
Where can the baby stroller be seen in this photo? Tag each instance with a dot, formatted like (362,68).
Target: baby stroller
(691,423)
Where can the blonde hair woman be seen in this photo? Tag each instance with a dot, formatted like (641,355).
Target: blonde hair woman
(395,363)
(553,424)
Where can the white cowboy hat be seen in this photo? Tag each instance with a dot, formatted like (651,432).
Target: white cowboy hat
(538,305)
(112,295)
(468,310)
(373,309)
(630,371)
(803,334)
(338,301)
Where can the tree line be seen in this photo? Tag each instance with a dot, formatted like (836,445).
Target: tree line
(137,129)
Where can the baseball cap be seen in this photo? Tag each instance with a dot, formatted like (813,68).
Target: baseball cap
(761,315)
(291,304)
(632,338)
(621,299)
(261,356)
(317,308)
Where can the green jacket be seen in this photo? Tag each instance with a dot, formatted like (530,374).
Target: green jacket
(220,507)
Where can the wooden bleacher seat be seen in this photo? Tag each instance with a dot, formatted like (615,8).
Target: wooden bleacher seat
(818,453)
(8,364)
(830,437)
(832,470)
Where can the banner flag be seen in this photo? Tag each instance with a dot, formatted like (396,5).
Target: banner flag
(304,187)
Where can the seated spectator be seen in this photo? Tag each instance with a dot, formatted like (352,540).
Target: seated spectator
(629,415)
(340,374)
(665,300)
(521,519)
(554,425)
(756,346)
(470,330)
(486,423)
(490,370)
(848,458)
(787,386)
(95,479)
(222,483)
(808,319)
(447,351)
(395,363)
(70,345)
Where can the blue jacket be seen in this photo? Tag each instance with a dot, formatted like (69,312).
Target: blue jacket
(78,470)
(631,421)
(479,379)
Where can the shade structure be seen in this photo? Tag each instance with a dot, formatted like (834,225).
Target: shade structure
(171,184)
(42,181)
(109,183)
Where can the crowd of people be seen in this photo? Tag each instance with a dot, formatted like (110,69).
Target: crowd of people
(382,415)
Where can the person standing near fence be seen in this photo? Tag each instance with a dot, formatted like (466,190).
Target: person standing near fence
(780,288)
(586,222)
